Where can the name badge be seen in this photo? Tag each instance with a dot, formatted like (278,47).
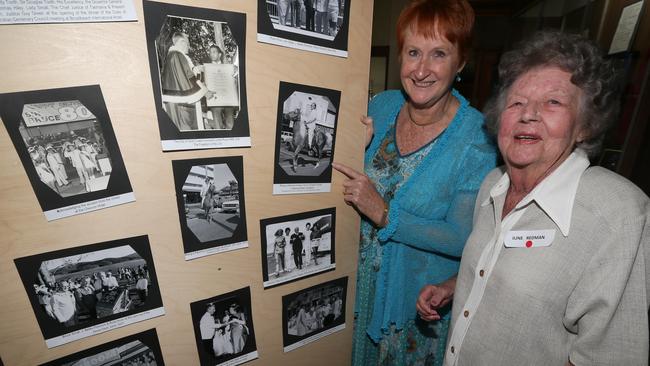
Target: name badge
(529,238)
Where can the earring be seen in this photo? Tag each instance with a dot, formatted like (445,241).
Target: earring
(458,79)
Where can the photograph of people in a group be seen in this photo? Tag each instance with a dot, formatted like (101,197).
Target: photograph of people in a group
(81,287)
(298,245)
(66,142)
(313,313)
(311,25)
(67,147)
(315,18)
(223,327)
(305,134)
(140,349)
(199,64)
(210,196)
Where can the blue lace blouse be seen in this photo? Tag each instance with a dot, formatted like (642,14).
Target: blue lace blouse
(430,213)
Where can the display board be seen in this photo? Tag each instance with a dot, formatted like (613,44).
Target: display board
(114,56)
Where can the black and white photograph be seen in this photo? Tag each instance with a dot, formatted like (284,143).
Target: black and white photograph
(297,246)
(304,138)
(210,199)
(82,291)
(313,313)
(140,349)
(196,57)
(66,143)
(223,328)
(311,25)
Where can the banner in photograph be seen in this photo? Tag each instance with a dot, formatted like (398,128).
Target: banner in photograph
(66,143)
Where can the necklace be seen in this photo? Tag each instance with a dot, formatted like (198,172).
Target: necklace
(408,111)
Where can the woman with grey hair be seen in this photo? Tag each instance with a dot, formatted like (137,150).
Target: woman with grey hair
(554,272)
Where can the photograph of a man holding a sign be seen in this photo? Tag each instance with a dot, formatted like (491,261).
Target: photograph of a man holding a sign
(198,73)
(222,80)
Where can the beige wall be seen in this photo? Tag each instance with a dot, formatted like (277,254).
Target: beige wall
(114,56)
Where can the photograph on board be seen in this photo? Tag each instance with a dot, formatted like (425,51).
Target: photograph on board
(304,138)
(311,25)
(66,143)
(223,328)
(210,200)
(313,313)
(82,291)
(298,245)
(196,59)
(140,349)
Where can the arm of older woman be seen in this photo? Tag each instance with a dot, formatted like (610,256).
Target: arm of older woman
(434,297)
(607,308)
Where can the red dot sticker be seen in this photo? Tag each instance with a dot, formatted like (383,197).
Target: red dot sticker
(529,243)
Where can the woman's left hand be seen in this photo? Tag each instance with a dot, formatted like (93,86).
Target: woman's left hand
(434,297)
(360,192)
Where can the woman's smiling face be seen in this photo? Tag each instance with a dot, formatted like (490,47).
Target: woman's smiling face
(539,125)
(428,68)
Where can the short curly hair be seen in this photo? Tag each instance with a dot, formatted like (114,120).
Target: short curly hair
(589,70)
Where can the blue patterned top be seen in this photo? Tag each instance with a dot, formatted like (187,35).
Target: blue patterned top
(431,193)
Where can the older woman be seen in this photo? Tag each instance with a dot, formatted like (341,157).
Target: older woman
(423,169)
(554,272)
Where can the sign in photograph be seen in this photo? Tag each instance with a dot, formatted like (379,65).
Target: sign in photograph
(198,74)
(66,143)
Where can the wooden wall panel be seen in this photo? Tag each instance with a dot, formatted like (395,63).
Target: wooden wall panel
(114,56)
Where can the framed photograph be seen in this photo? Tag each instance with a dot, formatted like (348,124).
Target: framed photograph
(198,75)
(313,313)
(138,349)
(79,292)
(626,28)
(210,199)
(311,25)
(66,143)
(223,327)
(304,138)
(297,246)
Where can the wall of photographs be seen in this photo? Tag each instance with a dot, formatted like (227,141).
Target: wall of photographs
(136,209)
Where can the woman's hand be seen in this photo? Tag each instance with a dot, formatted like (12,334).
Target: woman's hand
(359,191)
(370,129)
(434,297)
